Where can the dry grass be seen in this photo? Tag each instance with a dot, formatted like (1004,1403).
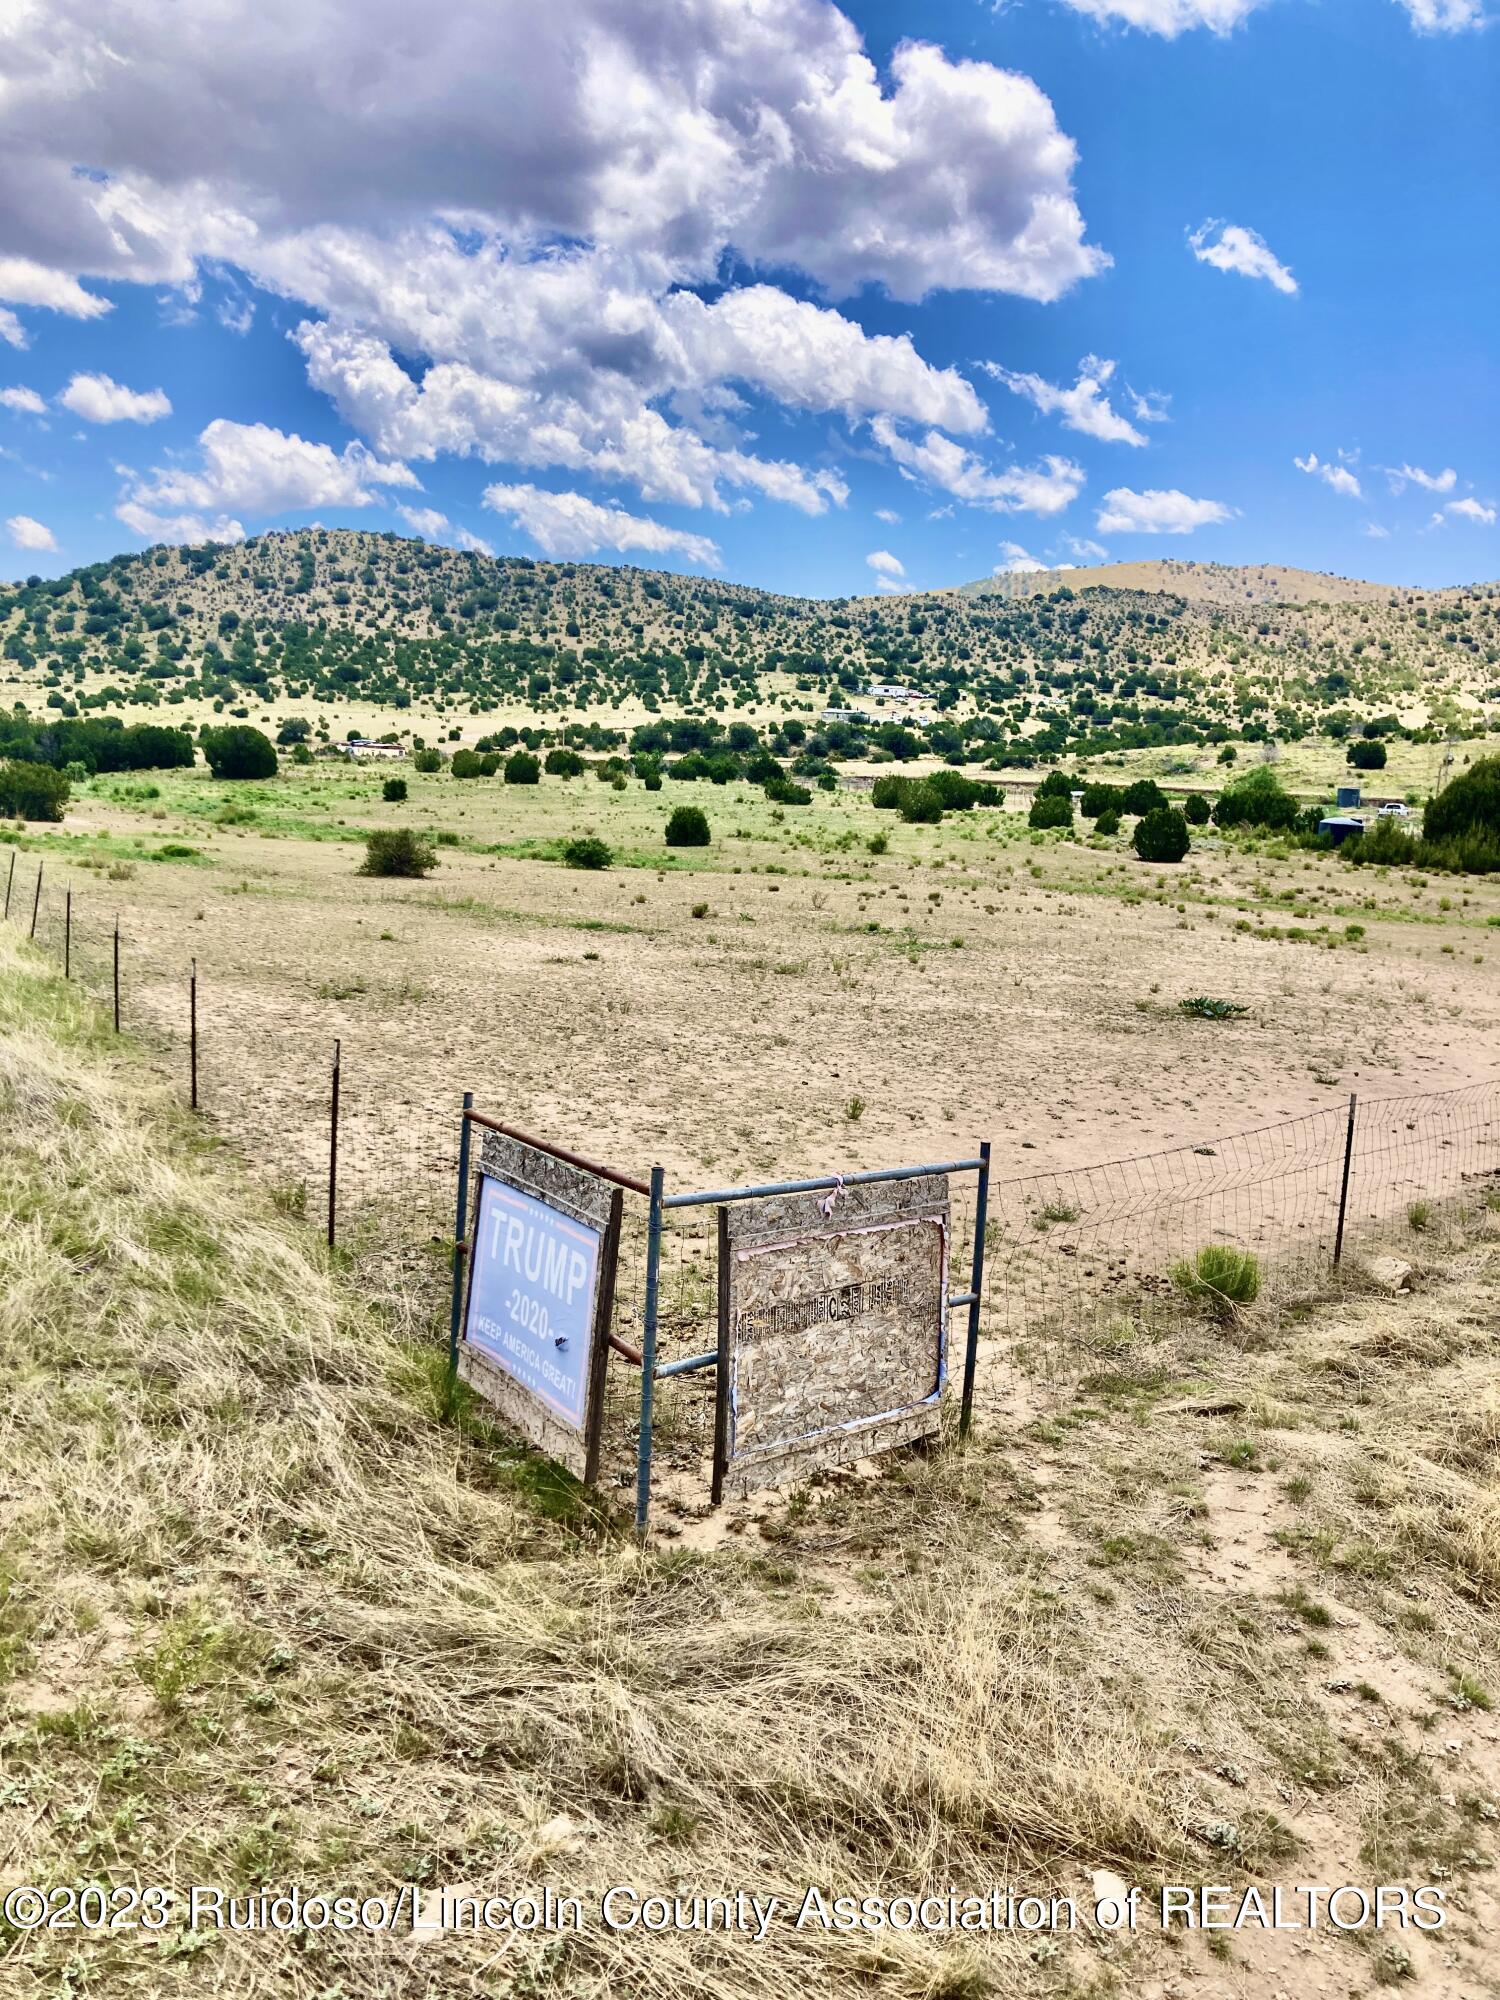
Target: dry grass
(274,1615)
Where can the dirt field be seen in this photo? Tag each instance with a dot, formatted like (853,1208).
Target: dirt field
(783,1001)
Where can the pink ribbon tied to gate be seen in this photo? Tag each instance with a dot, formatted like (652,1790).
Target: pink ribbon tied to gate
(826,1205)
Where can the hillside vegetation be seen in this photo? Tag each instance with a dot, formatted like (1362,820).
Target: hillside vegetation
(274,1614)
(338,621)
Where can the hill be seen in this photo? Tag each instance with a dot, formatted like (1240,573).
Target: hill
(372,631)
(1222,585)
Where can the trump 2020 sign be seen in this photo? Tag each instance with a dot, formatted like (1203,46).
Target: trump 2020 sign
(541,1282)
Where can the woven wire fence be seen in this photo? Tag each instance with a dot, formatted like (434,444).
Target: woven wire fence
(1077,1254)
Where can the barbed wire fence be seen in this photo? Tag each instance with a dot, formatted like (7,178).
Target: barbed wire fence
(1074,1257)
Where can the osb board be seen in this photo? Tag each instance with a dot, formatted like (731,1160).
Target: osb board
(836,1326)
(584,1199)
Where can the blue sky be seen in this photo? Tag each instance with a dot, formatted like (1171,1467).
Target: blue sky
(763,290)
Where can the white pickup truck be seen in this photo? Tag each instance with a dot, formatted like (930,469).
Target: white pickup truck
(1394,812)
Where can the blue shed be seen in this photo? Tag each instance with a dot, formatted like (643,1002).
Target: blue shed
(1348,795)
(1339,826)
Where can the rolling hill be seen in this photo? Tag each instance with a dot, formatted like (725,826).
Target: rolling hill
(374,629)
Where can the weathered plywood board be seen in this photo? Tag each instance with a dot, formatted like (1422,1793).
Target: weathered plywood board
(834,1326)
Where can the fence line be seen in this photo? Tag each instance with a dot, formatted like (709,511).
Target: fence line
(1073,1253)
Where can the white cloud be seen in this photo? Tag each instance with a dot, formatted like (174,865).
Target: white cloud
(255,469)
(1156,512)
(11,330)
(23,399)
(1016,561)
(1085,550)
(937,460)
(1445,17)
(570,524)
(1150,406)
(25,283)
(1339,477)
(28,534)
(1170,17)
(1472,510)
(530,246)
(434,526)
(1085,407)
(886,563)
(154,527)
(1228,247)
(100,400)
(1375,532)
(889,516)
(427,522)
(1431,482)
(615,434)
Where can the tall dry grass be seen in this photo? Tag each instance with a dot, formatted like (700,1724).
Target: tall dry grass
(271,1618)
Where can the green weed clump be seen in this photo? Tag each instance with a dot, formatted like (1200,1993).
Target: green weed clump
(1206,1009)
(1219,1277)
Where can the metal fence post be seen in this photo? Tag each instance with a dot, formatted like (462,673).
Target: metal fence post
(117,975)
(333,1144)
(193,1035)
(68,935)
(460,1231)
(36,901)
(9,880)
(1338,1239)
(976,1286)
(648,1356)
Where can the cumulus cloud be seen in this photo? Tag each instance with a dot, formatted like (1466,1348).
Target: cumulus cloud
(570,524)
(26,283)
(1169,17)
(1400,476)
(434,526)
(1156,512)
(887,564)
(529,246)
(253,469)
(1339,477)
(888,514)
(1016,561)
(26,400)
(1228,247)
(25,533)
(1445,17)
(1085,407)
(1085,550)
(188,528)
(1472,510)
(101,400)
(604,427)
(937,461)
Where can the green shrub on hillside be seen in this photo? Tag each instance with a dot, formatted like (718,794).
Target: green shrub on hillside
(239,752)
(428,761)
(398,851)
(688,827)
(782,792)
(1161,836)
(587,850)
(467,764)
(521,768)
(393,791)
(1050,809)
(1108,821)
(1100,799)
(1195,809)
(1367,756)
(1142,797)
(1257,799)
(1471,804)
(32,791)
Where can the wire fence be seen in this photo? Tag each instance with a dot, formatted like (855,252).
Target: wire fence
(341,1143)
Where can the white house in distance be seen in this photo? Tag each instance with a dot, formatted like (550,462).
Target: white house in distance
(364,746)
(883,692)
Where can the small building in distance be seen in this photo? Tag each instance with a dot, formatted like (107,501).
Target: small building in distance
(883,691)
(364,746)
